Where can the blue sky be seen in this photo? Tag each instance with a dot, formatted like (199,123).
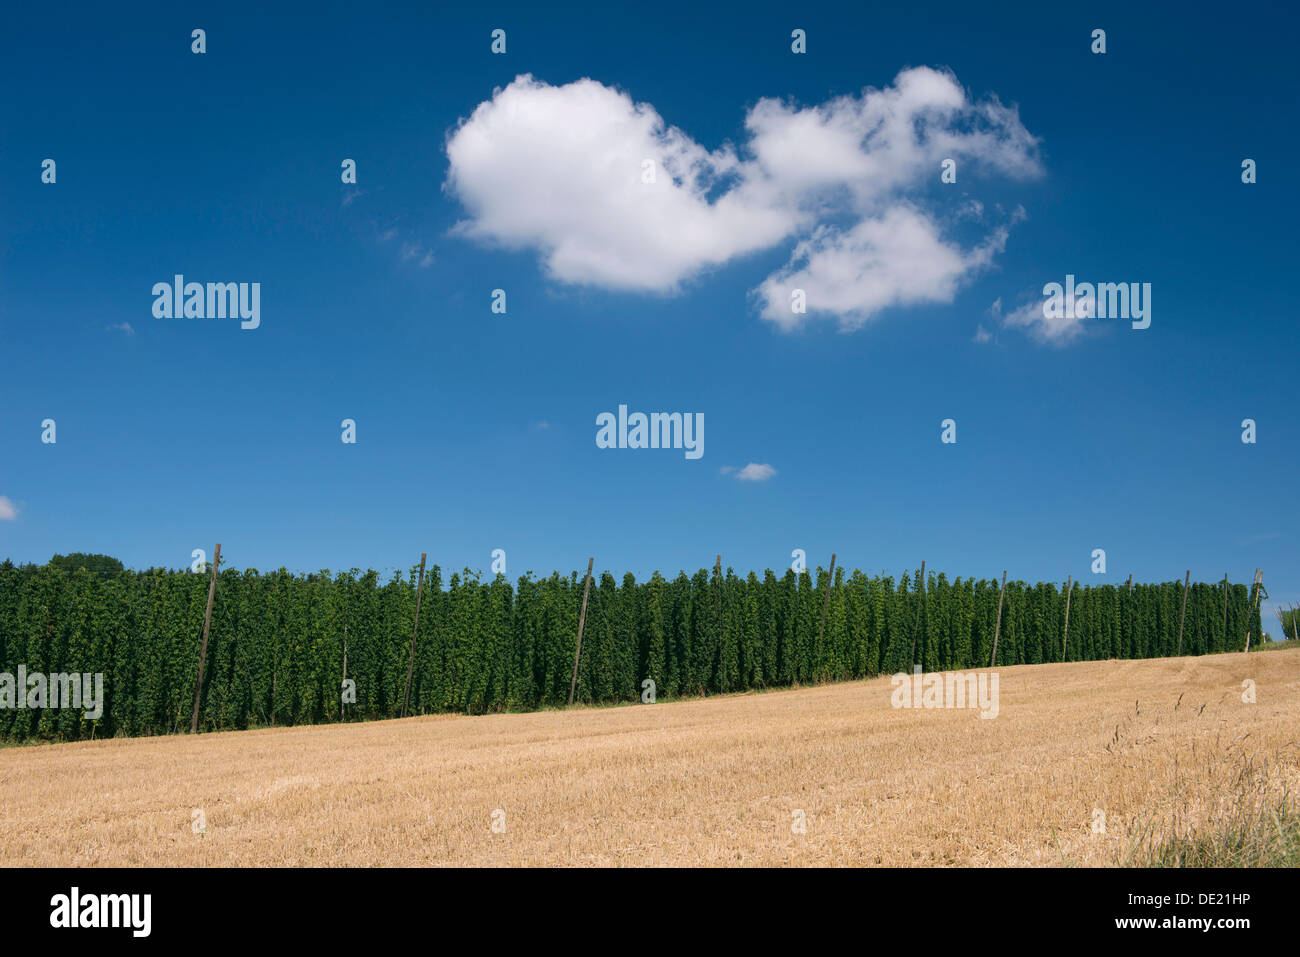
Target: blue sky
(477,431)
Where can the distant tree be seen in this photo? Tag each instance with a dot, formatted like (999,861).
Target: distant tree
(102,566)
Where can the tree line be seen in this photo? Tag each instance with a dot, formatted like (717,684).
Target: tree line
(278,639)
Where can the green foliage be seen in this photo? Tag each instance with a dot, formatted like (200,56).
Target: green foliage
(1289,619)
(276,647)
(101,566)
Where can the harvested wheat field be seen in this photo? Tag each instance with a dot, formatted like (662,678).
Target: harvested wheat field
(1160,747)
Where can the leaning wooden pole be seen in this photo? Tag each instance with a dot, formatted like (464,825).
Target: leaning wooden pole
(203,648)
(582,620)
(1183,617)
(415,630)
(1069,593)
(997,629)
(1250,599)
(826,602)
(1254,603)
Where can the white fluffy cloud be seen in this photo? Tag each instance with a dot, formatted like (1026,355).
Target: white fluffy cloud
(897,259)
(560,170)
(754,472)
(8,510)
(882,142)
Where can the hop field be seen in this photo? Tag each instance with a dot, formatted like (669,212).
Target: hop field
(279,641)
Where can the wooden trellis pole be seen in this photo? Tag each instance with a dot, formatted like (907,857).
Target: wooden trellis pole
(410,661)
(582,620)
(1069,593)
(1183,617)
(1254,605)
(997,629)
(203,649)
(1250,597)
(826,602)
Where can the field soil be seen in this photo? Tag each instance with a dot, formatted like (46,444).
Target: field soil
(1085,764)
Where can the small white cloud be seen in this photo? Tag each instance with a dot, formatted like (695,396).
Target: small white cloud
(351,196)
(542,426)
(8,510)
(995,310)
(1046,330)
(388,235)
(983,335)
(755,472)
(726,470)
(121,327)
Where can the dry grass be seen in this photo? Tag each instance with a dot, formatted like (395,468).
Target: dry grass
(1165,748)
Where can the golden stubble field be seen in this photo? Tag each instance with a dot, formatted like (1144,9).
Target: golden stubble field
(720,781)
